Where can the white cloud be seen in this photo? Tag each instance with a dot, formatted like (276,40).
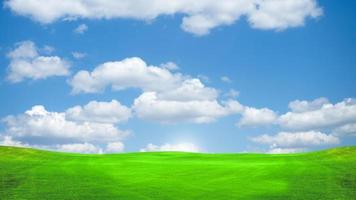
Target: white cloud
(189,90)
(40,123)
(25,49)
(78,55)
(100,112)
(185,147)
(79,148)
(304,106)
(319,114)
(94,122)
(277,14)
(167,97)
(285,150)
(347,129)
(199,16)
(308,120)
(257,117)
(9,141)
(25,62)
(82,28)
(225,79)
(233,107)
(296,139)
(114,147)
(86,148)
(150,107)
(128,73)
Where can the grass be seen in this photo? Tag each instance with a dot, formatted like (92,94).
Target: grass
(35,174)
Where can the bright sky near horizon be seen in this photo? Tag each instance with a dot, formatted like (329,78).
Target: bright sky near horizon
(181,75)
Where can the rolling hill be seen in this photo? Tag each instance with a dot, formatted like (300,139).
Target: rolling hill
(36,174)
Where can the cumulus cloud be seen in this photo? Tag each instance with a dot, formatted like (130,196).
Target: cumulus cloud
(279,15)
(128,73)
(79,148)
(199,17)
(306,123)
(91,128)
(150,106)
(114,147)
(344,130)
(319,114)
(296,139)
(9,141)
(100,112)
(189,90)
(167,97)
(299,106)
(257,117)
(185,147)
(87,148)
(285,150)
(26,63)
(85,126)
(82,28)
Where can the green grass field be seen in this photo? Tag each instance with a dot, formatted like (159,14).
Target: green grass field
(35,174)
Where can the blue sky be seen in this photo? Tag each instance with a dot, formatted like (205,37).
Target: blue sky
(270,64)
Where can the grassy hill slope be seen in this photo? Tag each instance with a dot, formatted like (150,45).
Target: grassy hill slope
(35,174)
